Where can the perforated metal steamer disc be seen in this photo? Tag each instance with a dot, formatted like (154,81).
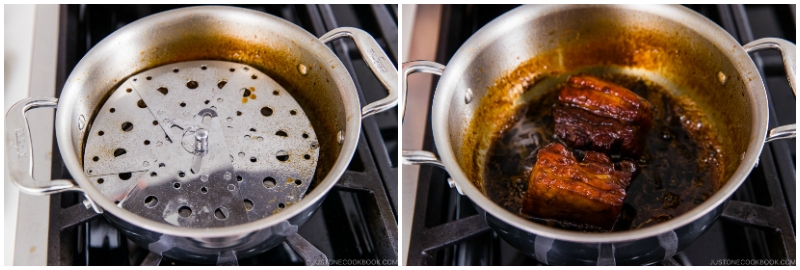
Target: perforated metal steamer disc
(202,144)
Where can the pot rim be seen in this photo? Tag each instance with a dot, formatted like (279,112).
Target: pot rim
(352,106)
(484,37)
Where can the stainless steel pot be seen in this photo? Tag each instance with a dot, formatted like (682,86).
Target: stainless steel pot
(670,45)
(276,47)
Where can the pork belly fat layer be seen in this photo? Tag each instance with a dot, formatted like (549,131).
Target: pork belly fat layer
(587,192)
(602,116)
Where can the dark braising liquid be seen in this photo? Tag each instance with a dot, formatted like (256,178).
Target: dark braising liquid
(680,167)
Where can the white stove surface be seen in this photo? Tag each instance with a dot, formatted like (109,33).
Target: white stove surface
(30,59)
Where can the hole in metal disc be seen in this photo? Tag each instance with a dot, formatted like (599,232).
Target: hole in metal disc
(281,133)
(232,69)
(155,122)
(239,178)
(281,205)
(128,90)
(125,175)
(221,84)
(269,182)
(246,92)
(298,182)
(112,110)
(175,70)
(253,159)
(177,185)
(134,79)
(181,174)
(254,77)
(119,152)
(266,111)
(293,112)
(275,92)
(306,156)
(245,68)
(219,213)
(203,67)
(305,135)
(185,211)
(149,78)
(238,113)
(127,126)
(163,90)
(207,101)
(100,181)
(282,155)
(248,204)
(95,158)
(183,104)
(100,133)
(253,129)
(146,142)
(150,201)
(141,103)
(153,174)
(192,84)
(203,189)
(162,165)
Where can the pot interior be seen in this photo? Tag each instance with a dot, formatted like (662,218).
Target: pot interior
(670,46)
(292,57)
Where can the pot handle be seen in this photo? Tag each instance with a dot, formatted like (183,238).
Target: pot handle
(414,67)
(19,150)
(787,50)
(376,60)
(418,157)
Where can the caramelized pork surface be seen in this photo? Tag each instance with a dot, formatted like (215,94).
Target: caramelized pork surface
(599,115)
(590,191)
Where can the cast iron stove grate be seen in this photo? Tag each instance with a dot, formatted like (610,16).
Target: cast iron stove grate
(758,222)
(356,221)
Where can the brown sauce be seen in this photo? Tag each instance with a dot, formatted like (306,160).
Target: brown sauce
(679,169)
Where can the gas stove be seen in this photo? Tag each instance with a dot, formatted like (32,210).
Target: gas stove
(757,227)
(357,222)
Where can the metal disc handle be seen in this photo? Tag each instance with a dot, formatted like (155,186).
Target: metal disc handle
(376,60)
(19,150)
(787,50)
(418,157)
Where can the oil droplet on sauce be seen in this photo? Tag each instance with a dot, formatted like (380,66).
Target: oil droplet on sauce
(244,100)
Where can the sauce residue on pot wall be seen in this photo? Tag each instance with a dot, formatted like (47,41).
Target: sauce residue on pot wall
(676,54)
(679,169)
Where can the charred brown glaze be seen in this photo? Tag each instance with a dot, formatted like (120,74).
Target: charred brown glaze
(690,64)
(606,99)
(590,191)
(680,167)
(603,116)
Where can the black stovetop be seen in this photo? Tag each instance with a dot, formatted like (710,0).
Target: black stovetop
(758,223)
(357,222)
